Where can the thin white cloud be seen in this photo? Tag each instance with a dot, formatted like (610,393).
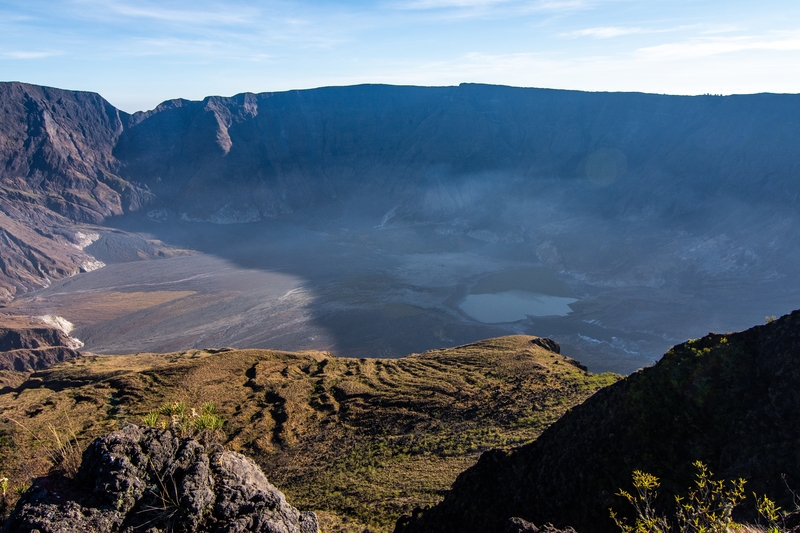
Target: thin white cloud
(190,16)
(721,29)
(559,5)
(173,46)
(27,54)
(707,47)
(483,6)
(605,32)
(608,32)
(444,4)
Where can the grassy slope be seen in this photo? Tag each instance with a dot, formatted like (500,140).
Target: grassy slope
(358,441)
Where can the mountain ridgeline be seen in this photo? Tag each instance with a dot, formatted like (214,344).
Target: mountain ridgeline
(494,155)
(273,153)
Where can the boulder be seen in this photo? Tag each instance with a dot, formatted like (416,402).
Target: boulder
(152,480)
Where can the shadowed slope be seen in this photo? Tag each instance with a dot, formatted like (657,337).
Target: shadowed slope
(730,401)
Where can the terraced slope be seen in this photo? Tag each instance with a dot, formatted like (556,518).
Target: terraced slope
(358,441)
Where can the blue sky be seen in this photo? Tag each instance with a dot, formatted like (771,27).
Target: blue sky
(139,53)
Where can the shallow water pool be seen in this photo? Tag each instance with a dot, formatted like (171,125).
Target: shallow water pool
(510,306)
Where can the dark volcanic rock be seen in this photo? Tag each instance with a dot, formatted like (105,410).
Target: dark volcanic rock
(145,479)
(547,344)
(731,401)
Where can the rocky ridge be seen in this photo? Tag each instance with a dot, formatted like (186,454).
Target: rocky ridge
(28,344)
(139,479)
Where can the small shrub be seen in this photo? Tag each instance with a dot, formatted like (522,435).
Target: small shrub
(646,519)
(187,422)
(151,419)
(706,509)
(709,505)
(770,512)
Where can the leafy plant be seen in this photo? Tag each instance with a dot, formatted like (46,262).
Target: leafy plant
(709,505)
(185,420)
(770,512)
(151,419)
(706,509)
(647,521)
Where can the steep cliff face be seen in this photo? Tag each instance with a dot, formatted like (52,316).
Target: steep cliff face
(56,147)
(730,401)
(57,170)
(438,150)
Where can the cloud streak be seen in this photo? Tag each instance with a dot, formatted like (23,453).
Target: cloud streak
(192,16)
(27,54)
(606,32)
(708,47)
(493,7)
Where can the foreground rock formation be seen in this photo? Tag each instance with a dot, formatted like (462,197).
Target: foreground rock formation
(146,479)
(731,401)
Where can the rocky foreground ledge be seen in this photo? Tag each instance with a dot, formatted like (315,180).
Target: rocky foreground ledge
(151,480)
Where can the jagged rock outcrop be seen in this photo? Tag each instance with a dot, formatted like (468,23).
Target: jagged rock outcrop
(147,479)
(731,401)
(29,359)
(35,337)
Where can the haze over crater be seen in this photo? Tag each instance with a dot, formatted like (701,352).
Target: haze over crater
(362,219)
